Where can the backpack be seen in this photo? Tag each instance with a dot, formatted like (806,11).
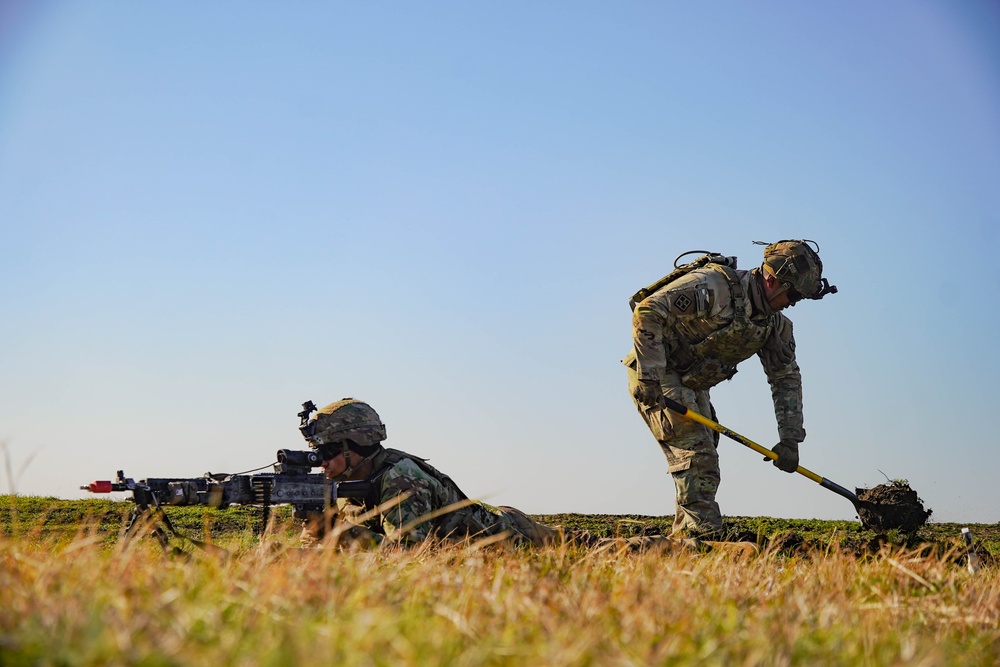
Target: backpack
(707,258)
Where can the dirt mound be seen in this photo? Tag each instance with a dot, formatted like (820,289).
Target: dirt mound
(892,505)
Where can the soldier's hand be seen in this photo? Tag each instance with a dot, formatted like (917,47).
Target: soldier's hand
(788,455)
(648,393)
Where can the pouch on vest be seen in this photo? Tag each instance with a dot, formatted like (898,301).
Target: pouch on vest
(706,373)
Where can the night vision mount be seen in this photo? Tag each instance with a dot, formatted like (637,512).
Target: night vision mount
(307,409)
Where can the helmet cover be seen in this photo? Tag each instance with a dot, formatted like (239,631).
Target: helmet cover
(797,264)
(346,419)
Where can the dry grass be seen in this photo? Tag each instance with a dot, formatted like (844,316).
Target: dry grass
(79,601)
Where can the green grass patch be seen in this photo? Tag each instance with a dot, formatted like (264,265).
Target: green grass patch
(48,518)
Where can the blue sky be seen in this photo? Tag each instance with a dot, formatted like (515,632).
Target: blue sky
(212,213)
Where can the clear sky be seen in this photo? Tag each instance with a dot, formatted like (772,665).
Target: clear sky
(212,212)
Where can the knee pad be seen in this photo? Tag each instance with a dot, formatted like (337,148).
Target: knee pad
(695,485)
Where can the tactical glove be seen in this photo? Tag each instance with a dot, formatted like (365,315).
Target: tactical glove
(313,527)
(788,455)
(648,393)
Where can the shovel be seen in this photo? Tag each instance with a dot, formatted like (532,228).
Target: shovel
(859,505)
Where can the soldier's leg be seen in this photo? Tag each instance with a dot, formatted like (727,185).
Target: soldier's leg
(698,513)
(536,533)
(692,459)
(479,521)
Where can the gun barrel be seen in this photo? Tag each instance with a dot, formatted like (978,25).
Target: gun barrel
(103,486)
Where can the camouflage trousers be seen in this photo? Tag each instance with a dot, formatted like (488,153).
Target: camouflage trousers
(522,525)
(477,521)
(692,458)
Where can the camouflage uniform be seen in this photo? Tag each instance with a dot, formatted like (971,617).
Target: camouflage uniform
(688,336)
(412,501)
(427,491)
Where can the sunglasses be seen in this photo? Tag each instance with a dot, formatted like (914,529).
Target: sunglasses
(790,292)
(329,451)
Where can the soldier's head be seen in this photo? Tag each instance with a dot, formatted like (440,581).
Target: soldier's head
(343,427)
(792,271)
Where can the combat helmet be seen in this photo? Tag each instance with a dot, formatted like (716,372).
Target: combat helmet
(346,420)
(797,264)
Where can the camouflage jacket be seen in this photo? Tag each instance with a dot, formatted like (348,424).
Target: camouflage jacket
(412,500)
(697,329)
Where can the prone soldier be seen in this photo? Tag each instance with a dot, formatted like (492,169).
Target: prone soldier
(410,500)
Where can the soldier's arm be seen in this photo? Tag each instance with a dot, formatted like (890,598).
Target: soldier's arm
(653,332)
(655,320)
(411,498)
(348,529)
(783,374)
(648,325)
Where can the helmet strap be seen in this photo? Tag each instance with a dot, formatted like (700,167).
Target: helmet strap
(347,457)
(757,299)
(349,470)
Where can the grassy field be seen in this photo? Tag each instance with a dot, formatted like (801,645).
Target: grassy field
(74,593)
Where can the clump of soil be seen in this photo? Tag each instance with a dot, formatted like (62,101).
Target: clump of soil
(892,505)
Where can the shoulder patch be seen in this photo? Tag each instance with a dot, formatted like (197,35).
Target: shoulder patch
(688,302)
(682,302)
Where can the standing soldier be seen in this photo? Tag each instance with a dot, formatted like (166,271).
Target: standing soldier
(689,332)
(410,499)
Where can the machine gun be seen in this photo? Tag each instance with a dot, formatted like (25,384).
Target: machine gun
(291,483)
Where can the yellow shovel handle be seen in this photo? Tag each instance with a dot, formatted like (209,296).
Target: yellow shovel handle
(819,479)
(705,421)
